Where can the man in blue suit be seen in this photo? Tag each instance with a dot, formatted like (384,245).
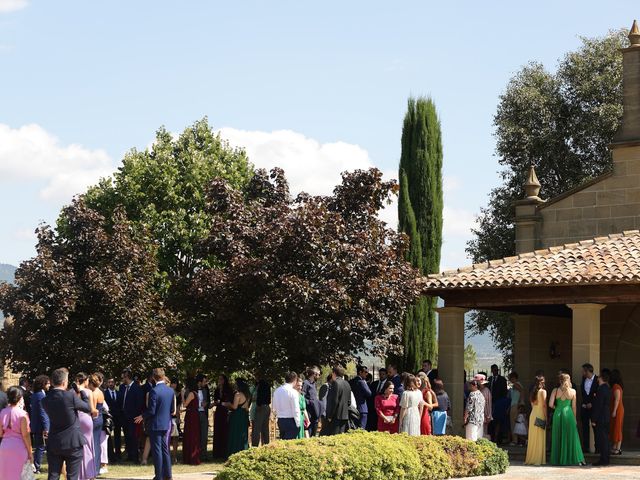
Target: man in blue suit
(161,406)
(65,441)
(39,419)
(361,393)
(131,401)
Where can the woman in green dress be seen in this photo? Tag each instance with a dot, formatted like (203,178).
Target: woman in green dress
(566,448)
(304,416)
(239,418)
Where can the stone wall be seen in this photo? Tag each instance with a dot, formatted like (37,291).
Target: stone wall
(534,336)
(610,205)
(8,378)
(620,348)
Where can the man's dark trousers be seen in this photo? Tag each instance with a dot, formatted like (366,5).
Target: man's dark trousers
(161,455)
(115,441)
(363,420)
(334,427)
(585,419)
(288,429)
(71,458)
(601,433)
(39,447)
(130,440)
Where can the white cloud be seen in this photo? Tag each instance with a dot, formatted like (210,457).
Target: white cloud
(25,234)
(30,153)
(12,5)
(310,166)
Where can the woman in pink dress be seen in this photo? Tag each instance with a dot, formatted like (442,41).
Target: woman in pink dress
(387,408)
(15,449)
(88,465)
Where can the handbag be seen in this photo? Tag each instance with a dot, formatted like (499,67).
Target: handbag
(540,423)
(27,471)
(107,422)
(174,428)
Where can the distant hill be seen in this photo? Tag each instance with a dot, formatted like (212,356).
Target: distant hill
(7,272)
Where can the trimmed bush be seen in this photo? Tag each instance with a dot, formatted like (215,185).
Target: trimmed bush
(361,455)
(435,462)
(494,460)
(353,456)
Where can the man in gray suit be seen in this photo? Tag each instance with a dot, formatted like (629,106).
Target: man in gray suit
(338,403)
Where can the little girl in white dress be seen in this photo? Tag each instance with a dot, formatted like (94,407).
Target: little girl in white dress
(520,427)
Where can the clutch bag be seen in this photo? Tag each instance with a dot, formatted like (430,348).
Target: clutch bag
(540,423)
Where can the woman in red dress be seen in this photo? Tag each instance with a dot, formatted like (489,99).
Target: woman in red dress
(387,408)
(430,401)
(191,437)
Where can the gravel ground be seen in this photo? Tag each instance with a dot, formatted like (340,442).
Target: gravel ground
(517,471)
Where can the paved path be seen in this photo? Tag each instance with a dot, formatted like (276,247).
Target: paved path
(517,471)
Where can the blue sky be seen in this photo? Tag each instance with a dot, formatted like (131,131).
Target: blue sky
(317,89)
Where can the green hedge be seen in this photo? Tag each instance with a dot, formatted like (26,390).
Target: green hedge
(361,455)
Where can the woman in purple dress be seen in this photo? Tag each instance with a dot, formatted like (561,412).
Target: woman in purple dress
(88,466)
(223,394)
(15,448)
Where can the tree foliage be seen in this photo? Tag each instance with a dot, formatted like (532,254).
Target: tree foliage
(87,300)
(562,123)
(162,190)
(291,282)
(420,217)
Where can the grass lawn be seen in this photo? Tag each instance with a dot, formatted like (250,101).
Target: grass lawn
(128,470)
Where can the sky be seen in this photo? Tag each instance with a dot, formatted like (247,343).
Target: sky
(316,89)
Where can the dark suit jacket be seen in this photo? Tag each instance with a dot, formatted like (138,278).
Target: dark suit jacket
(114,405)
(311,397)
(133,404)
(160,407)
(322,396)
(397,384)
(39,418)
(63,406)
(338,400)
(361,393)
(4,400)
(600,411)
(587,397)
(498,387)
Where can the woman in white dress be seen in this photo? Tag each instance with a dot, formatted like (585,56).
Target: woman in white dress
(411,405)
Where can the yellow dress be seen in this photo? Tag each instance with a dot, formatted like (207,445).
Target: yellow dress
(537,444)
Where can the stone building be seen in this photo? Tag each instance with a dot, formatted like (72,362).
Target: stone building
(574,286)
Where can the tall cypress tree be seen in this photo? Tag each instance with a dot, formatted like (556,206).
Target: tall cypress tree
(420,217)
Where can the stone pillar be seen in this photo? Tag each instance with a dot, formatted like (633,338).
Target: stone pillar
(629,131)
(522,347)
(527,216)
(451,359)
(585,343)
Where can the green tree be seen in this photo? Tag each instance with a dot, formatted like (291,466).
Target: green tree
(162,190)
(420,217)
(562,123)
(470,358)
(87,300)
(309,280)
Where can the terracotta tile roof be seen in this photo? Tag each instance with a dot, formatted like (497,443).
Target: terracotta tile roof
(611,259)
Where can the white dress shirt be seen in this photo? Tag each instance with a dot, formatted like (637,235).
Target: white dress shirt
(587,384)
(200,401)
(286,403)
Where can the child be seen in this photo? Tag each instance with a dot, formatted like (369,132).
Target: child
(520,428)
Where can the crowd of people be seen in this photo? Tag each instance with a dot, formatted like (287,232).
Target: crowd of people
(502,411)
(80,424)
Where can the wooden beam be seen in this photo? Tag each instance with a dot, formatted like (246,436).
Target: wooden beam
(502,298)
